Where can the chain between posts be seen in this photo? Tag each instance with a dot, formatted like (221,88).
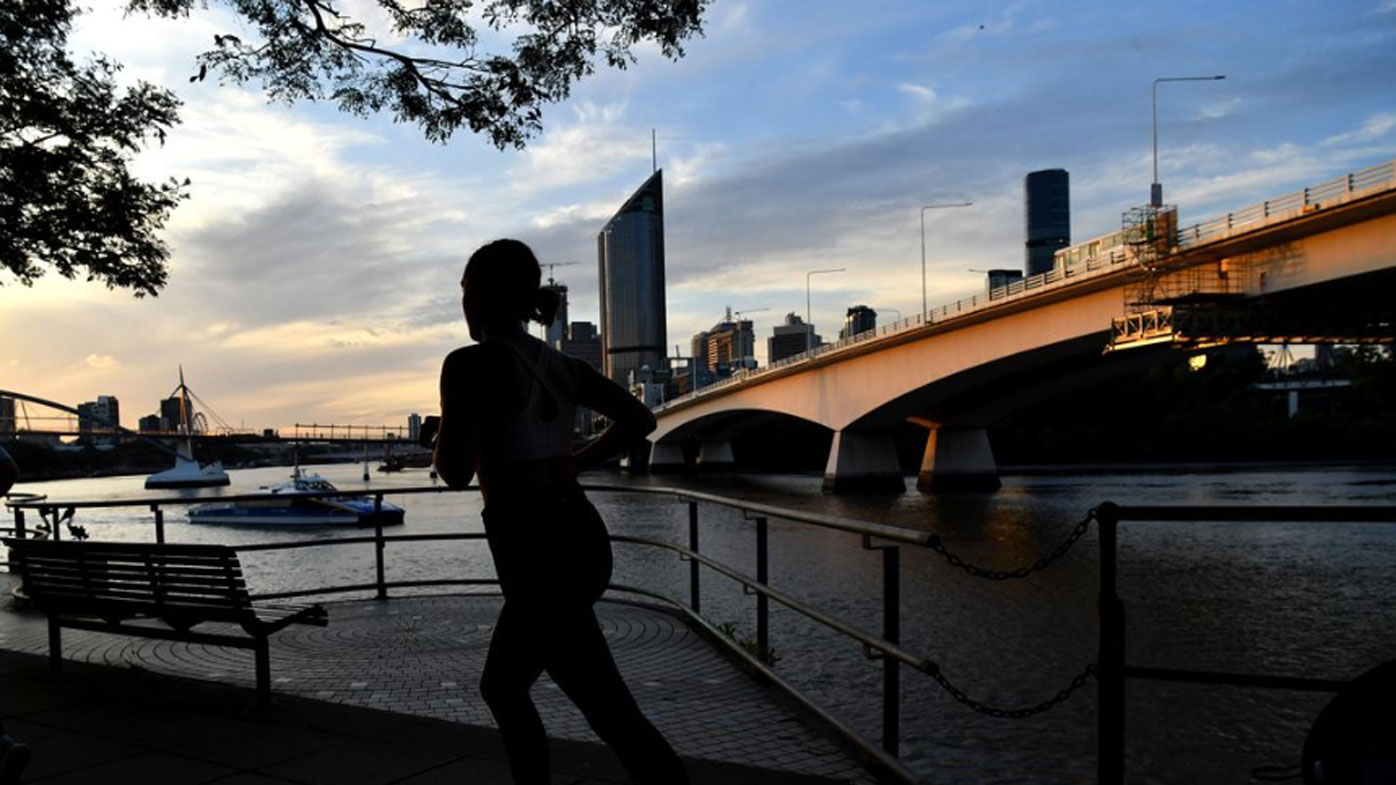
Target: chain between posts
(1022,572)
(1011,714)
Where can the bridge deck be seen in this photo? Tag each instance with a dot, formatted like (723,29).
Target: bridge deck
(422,656)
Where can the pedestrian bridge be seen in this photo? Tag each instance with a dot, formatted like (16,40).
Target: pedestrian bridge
(1317,265)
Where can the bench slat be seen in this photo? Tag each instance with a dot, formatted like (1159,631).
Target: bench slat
(101,586)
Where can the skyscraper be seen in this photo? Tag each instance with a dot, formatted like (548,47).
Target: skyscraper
(583,343)
(7,417)
(630,255)
(858,320)
(98,417)
(728,345)
(1047,206)
(170,417)
(556,332)
(790,339)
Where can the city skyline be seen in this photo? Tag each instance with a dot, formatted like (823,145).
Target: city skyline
(313,272)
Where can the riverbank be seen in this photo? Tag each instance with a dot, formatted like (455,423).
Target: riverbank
(1191,467)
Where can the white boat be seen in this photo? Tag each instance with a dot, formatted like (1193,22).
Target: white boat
(187,473)
(300,502)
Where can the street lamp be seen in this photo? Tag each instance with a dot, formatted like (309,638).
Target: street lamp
(924,208)
(893,310)
(1156,188)
(809,324)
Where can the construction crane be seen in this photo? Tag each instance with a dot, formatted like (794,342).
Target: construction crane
(551,265)
(738,314)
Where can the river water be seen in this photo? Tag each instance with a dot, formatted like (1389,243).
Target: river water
(1298,599)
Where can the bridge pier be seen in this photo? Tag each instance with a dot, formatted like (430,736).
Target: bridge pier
(863,462)
(666,458)
(958,459)
(716,456)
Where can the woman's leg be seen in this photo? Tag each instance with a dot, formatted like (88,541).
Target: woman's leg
(514,663)
(580,663)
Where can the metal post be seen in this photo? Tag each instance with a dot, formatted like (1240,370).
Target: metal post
(19,524)
(1111,660)
(891,666)
(54,524)
(763,633)
(693,593)
(159,523)
(378,544)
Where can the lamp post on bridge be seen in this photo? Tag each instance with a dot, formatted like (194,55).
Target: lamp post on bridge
(1156,188)
(924,307)
(809,324)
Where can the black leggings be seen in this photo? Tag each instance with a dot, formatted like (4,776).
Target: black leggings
(548,559)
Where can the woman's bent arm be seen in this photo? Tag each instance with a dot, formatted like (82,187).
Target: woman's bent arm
(630,419)
(455,441)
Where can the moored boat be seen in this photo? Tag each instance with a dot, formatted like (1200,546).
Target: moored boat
(187,472)
(300,501)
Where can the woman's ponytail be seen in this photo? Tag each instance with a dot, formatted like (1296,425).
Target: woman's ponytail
(546,302)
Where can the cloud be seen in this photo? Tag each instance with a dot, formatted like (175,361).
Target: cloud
(1374,129)
(100,362)
(596,145)
(1216,110)
(928,105)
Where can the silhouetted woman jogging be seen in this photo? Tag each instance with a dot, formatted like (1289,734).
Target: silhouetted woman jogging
(508,405)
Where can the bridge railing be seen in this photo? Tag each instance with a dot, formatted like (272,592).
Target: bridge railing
(1339,189)
(1353,185)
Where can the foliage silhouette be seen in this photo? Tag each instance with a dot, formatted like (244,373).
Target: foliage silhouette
(437,77)
(67,198)
(68,201)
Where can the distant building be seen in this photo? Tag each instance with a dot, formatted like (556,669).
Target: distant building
(414,427)
(1047,212)
(150,423)
(556,332)
(170,416)
(630,256)
(7,418)
(583,343)
(729,345)
(997,279)
(859,319)
(97,420)
(650,385)
(790,339)
(681,376)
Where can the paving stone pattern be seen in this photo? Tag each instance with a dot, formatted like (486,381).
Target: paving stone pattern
(423,656)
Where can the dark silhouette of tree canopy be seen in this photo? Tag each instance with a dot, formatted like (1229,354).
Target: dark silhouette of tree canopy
(438,79)
(69,202)
(67,199)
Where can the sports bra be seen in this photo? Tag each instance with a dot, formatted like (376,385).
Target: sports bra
(539,430)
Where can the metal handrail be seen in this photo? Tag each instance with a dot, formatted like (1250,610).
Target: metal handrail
(1111,668)
(886,645)
(899,534)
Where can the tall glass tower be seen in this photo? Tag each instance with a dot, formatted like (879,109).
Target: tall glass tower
(630,252)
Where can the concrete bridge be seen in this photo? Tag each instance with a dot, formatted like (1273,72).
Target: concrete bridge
(1318,265)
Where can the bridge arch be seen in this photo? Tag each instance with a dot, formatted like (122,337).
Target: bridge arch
(711,437)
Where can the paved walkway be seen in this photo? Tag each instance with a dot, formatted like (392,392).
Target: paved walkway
(409,665)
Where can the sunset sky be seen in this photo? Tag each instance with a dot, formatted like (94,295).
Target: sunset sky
(314,271)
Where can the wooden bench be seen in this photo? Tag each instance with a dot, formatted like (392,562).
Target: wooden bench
(125,588)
